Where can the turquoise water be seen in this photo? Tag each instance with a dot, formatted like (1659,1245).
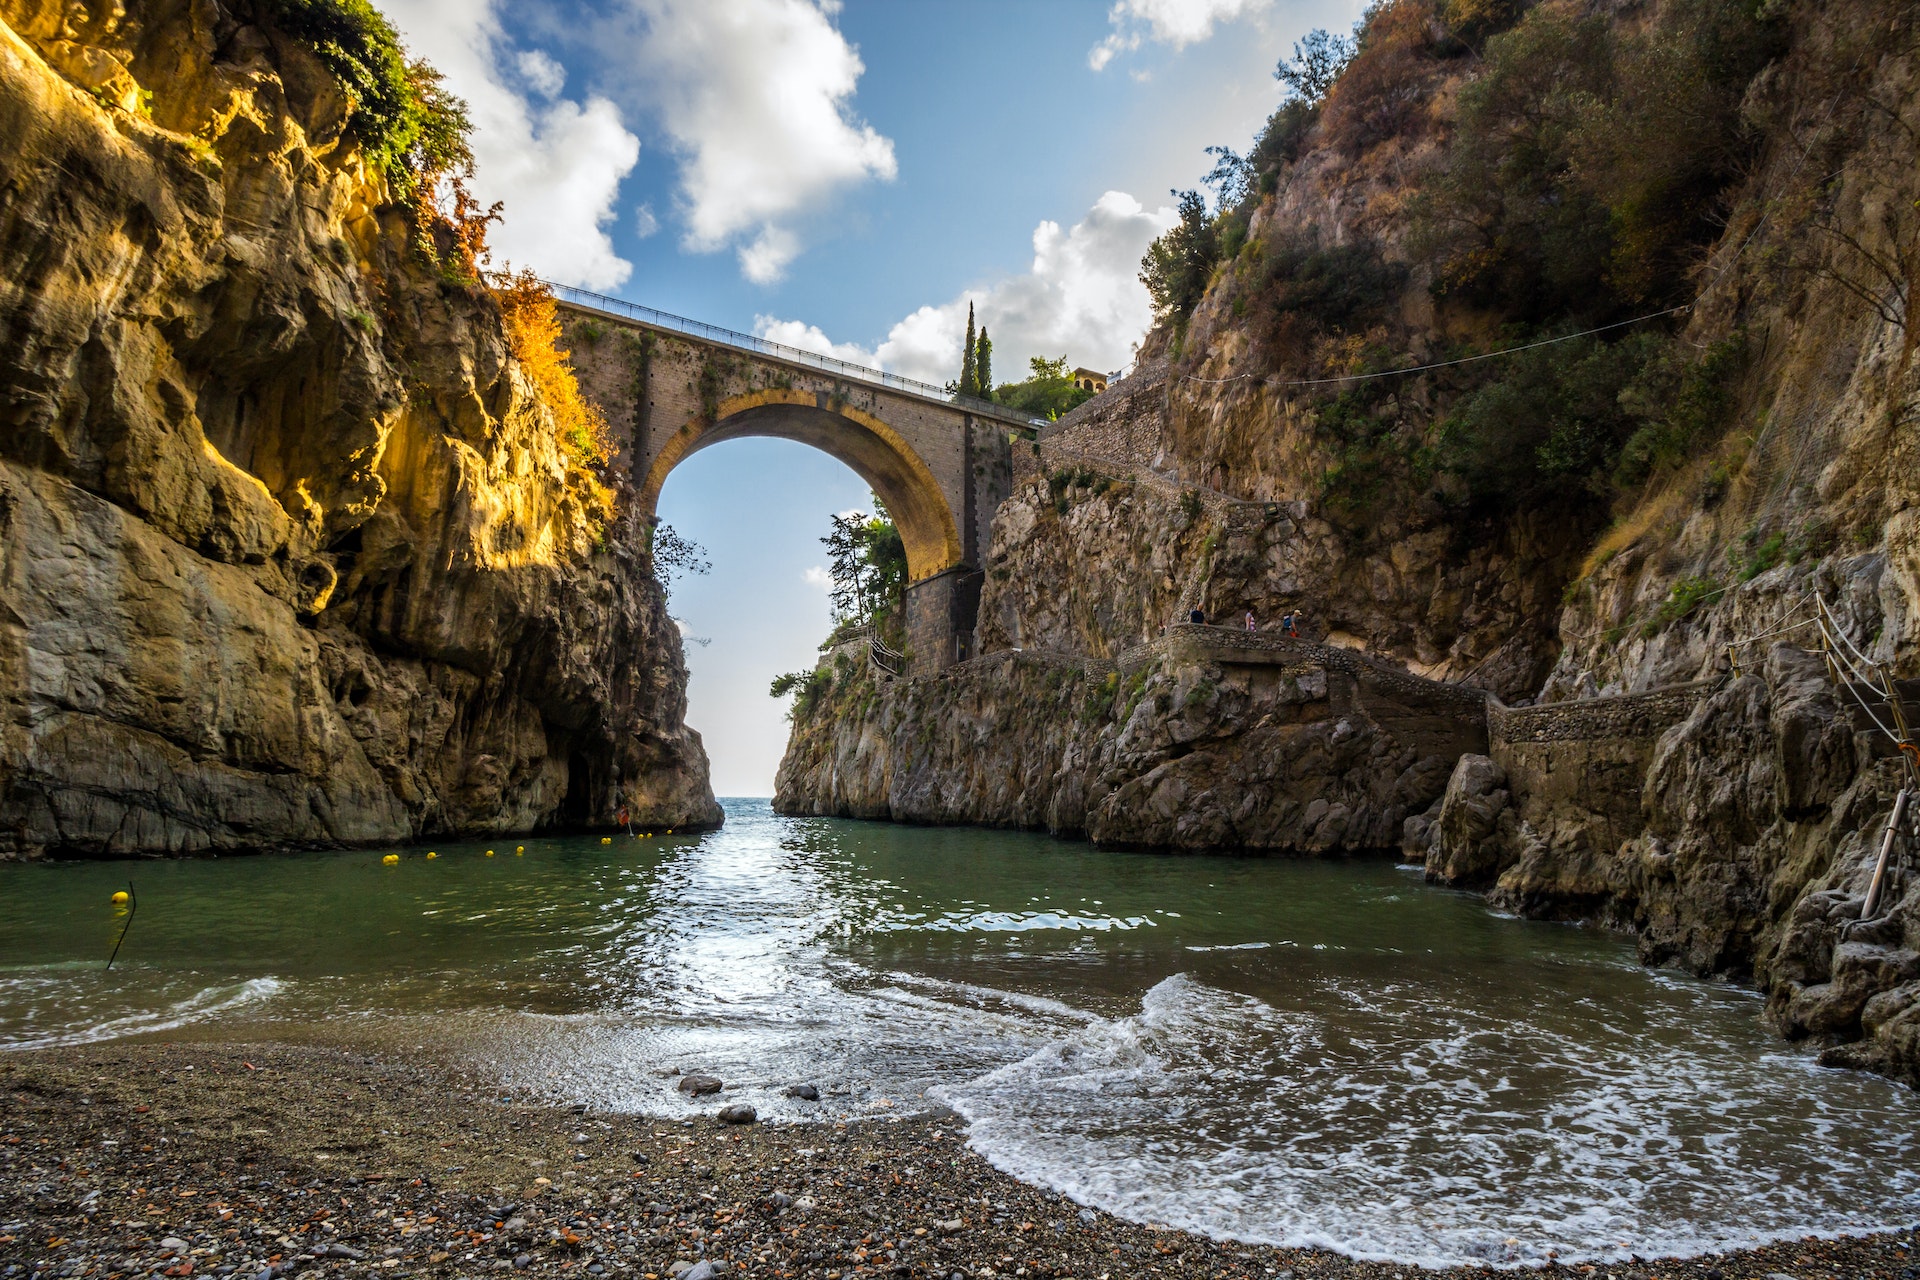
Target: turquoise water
(1301,1052)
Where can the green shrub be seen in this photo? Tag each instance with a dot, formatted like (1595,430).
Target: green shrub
(1588,156)
(1684,404)
(1550,426)
(1281,141)
(410,127)
(1378,93)
(1368,447)
(1762,554)
(810,686)
(1313,288)
(1687,595)
(1048,392)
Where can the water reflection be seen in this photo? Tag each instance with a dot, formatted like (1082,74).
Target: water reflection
(1302,1052)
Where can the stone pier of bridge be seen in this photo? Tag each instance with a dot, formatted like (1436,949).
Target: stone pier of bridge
(942,466)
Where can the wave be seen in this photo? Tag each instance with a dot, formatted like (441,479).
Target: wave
(204,1005)
(1216,1112)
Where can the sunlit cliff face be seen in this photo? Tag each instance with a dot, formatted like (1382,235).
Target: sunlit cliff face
(297,550)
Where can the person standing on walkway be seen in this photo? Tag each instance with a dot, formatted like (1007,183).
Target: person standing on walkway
(1198,618)
(1251,625)
(1294,620)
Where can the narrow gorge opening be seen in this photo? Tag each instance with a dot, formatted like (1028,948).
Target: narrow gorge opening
(757,508)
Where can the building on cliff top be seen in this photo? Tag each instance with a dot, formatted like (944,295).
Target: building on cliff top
(1090,380)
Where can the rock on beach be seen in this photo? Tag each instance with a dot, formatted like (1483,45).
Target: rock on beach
(140,1159)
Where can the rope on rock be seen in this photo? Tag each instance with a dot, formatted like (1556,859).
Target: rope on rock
(1846,657)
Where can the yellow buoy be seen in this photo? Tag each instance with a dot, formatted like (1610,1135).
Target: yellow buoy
(432,854)
(392,859)
(489,853)
(606,839)
(120,898)
(669,830)
(519,849)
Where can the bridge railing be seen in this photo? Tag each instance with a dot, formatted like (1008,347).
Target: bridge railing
(781,351)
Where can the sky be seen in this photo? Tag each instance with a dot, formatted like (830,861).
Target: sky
(845,177)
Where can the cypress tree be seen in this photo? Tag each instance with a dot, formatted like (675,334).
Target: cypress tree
(983,365)
(969,382)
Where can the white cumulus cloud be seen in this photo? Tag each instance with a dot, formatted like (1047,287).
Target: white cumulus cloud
(756,96)
(542,72)
(1080,297)
(556,164)
(815,576)
(1175,23)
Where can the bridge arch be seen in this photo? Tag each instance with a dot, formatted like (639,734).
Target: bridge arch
(670,387)
(875,451)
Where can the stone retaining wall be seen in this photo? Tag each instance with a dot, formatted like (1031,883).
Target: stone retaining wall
(1630,716)
(1122,424)
(1229,644)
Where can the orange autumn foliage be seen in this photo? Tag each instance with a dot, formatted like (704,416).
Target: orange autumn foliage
(533,331)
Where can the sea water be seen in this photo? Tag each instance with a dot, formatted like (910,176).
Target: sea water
(1299,1052)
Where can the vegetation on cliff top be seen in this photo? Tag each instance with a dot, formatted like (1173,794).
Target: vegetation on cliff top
(414,133)
(1573,181)
(1047,392)
(411,129)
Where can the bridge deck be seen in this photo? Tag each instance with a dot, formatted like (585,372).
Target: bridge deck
(620,308)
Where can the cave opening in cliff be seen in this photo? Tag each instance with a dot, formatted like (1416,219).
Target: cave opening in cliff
(577,808)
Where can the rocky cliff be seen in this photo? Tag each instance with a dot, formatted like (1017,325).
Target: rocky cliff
(1649,423)
(289,552)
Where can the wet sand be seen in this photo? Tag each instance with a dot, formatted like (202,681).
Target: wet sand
(150,1159)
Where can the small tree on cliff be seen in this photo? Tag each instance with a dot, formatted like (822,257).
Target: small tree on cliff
(1178,264)
(1318,59)
(983,366)
(675,556)
(867,562)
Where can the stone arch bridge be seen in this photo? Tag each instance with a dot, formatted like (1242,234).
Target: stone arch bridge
(671,387)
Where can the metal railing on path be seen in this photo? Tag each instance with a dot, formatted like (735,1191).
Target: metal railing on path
(793,355)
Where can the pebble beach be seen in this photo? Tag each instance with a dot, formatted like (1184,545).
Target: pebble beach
(147,1160)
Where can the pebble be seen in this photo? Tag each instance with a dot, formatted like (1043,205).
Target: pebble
(354,1158)
(699,1085)
(738,1113)
(805,1092)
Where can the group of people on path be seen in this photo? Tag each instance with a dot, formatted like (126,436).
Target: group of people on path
(1289,622)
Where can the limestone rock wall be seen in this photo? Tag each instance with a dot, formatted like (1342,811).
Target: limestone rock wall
(1198,741)
(1728,809)
(1733,825)
(289,554)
